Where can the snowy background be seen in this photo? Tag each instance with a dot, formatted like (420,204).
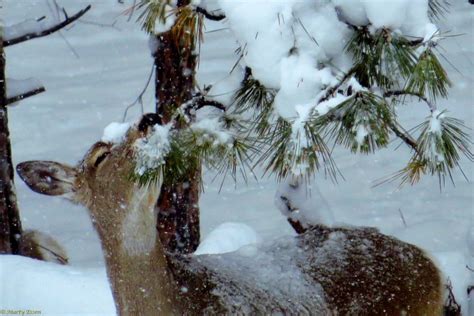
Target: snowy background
(93,72)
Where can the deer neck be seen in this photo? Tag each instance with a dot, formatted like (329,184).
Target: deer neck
(137,268)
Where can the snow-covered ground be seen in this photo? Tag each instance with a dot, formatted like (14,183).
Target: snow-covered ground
(93,72)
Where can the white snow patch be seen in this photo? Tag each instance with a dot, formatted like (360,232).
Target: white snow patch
(352,11)
(324,107)
(115,132)
(54,289)
(227,237)
(386,13)
(361,133)
(212,127)
(435,128)
(435,122)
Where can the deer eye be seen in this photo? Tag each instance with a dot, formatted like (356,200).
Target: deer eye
(101,158)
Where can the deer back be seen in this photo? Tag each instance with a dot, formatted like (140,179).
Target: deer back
(325,271)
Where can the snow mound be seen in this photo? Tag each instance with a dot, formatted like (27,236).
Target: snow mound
(227,237)
(53,289)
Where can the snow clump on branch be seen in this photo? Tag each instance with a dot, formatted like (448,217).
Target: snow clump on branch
(150,152)
(305,37)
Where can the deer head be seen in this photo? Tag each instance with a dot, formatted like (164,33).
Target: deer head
(123,214)
(123,207)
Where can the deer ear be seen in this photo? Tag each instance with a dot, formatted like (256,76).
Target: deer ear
(47,177)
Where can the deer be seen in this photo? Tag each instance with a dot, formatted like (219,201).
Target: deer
(322,271)
(40,246)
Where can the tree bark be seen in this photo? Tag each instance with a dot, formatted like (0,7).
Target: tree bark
(10,225)
(178,204)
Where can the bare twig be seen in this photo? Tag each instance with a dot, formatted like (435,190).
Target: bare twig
(111,25)
(73,50)
(139,99)
(25,95)
(403,217)
(48,31)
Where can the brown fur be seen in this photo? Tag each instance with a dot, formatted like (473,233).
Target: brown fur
(37,245)
(350,271)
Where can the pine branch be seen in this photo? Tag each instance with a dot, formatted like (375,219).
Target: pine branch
(428,76)
(379,58)
(25,95)
(397,93)
(210,16)
(330,92)
(441,143)
(68,20)
(405,137)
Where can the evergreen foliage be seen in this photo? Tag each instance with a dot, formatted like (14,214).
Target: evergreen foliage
(360,110)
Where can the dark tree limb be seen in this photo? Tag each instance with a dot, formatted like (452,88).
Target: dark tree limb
(68,20)
(25,95)
(405,137)
(210,16)
(10,223)
(396,93)
(202,102)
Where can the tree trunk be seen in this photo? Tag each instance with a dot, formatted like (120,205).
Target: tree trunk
(10,225)
(178,204)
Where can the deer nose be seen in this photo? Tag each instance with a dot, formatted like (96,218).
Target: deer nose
(148,120)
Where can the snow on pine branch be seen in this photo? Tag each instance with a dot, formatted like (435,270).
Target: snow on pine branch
(150,152)
(331,68)
(212,129)
(304,35)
